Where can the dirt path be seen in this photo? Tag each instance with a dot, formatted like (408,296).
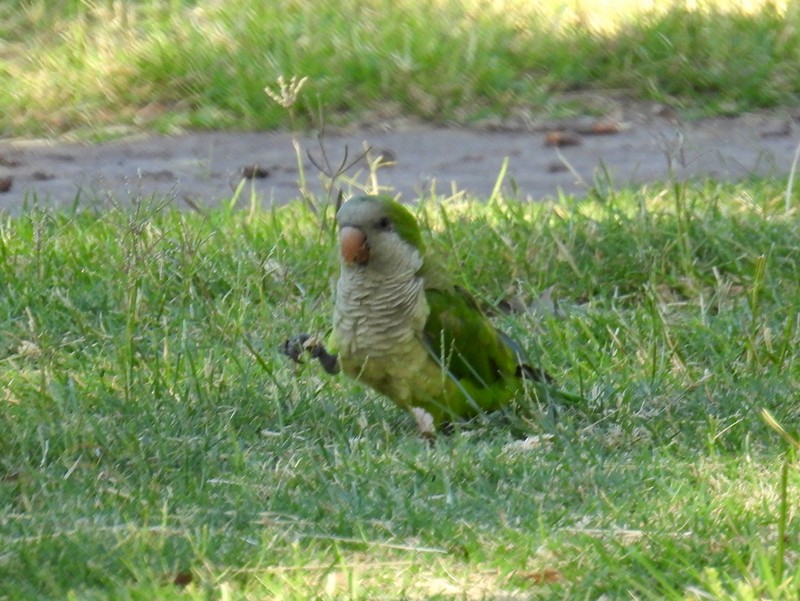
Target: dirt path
(204,168)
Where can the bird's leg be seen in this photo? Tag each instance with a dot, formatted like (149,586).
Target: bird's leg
(328,361)
(295,346)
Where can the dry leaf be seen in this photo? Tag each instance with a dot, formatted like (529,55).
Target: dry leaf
(605,127)
(561,138)
(546,576)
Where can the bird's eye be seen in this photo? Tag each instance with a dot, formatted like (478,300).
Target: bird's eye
(385,223)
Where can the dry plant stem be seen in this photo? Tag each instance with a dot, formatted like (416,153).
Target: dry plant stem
(286,95)
(578,177)
(790,183)
(331,174)
(301,178)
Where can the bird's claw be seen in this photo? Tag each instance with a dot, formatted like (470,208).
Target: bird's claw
(295,346)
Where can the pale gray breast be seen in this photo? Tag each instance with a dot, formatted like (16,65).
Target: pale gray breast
(378,316)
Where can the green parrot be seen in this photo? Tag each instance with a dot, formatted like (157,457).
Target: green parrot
(403,326)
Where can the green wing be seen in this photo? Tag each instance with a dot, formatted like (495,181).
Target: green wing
(485,366)
(464,342)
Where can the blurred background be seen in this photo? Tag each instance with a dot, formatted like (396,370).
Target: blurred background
(103,68)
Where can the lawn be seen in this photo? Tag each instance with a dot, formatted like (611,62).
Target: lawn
(156,444)
(102,68)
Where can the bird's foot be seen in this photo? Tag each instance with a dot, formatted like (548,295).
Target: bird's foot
(295,346)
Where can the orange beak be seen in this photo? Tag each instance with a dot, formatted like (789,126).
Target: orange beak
(353,245)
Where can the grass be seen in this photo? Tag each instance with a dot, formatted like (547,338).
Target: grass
(104,68)
(156,445)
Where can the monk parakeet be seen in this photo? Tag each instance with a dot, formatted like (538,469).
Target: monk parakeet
(403,326)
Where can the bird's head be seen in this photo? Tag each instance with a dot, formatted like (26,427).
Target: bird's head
(376,232)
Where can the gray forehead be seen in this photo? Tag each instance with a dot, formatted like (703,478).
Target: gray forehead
(357,212)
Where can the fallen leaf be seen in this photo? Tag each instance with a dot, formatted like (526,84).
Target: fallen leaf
(561,138)
(605,127)
(546,576)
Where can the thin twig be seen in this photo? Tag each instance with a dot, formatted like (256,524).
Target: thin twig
(579,179)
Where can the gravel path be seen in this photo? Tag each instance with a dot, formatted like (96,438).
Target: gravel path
(543,159)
